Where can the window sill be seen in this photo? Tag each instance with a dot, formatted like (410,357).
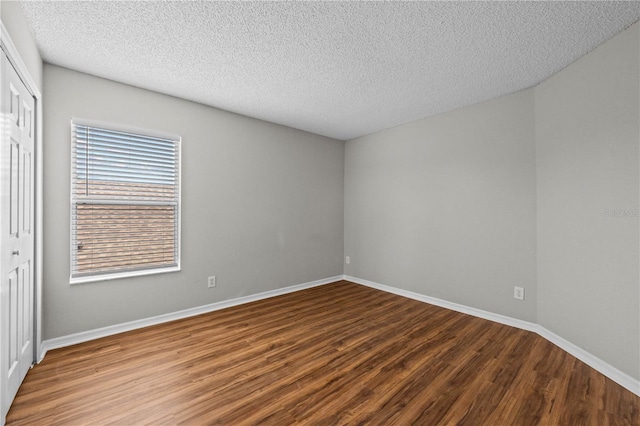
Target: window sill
(118,275)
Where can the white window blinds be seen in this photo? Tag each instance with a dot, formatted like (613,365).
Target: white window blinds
(125,195)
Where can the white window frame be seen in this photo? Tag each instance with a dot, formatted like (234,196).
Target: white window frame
(134,273)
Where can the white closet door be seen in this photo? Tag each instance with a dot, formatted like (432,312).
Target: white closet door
(16,233)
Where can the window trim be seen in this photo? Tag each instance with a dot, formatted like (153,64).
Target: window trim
(131,273)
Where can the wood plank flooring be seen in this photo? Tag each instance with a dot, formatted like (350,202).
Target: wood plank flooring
(331,355)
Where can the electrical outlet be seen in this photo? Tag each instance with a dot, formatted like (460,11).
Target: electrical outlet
(518,293)
(211,282)
(347,260)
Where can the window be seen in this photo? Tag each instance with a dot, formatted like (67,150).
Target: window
(125,202)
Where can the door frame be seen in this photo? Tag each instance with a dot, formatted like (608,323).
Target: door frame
(9,48)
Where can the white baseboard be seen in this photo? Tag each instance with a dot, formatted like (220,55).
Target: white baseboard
(73,339)
(502,319)
(608,370)
(591,360)
(621,378)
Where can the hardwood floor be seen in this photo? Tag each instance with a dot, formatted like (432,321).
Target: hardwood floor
(336,354)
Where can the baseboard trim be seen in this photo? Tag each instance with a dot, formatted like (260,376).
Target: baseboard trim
(621,378)
(591,360)
(85,336)
(502,319)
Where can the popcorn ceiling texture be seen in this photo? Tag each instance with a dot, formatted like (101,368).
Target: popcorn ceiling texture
(339,69)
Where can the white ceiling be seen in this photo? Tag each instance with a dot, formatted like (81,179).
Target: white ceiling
(340,69)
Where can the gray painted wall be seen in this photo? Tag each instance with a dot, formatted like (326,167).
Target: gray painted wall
(14,21)
(587,134)
(539,189)
(262,205)
(445,206)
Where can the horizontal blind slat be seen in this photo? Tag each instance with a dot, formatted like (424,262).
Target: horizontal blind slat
(83,133)
(133,173)
(119,134)
(122,149)
(125,155)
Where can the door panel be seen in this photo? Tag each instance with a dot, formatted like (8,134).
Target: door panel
(26,193)
(13,188)
(16,236)
(14,105)
(27,304)
(13,320)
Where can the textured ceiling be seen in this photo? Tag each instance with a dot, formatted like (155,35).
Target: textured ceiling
(340,69)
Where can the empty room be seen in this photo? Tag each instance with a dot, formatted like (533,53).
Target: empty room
(319,213)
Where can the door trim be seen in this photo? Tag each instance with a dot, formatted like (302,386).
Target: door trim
(9,48)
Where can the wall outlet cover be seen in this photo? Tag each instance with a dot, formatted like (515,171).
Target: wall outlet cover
(518,293)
